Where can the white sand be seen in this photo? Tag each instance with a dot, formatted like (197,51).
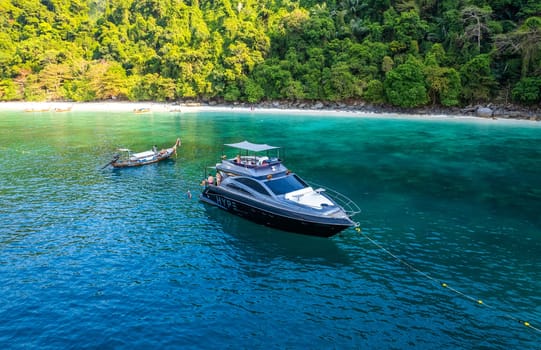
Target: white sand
(150,107)
(114,106)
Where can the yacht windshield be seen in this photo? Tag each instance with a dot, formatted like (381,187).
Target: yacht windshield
(286,184)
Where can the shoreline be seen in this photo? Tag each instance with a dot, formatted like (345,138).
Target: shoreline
(276,107)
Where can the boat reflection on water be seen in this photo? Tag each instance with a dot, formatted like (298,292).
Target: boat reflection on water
(256,242)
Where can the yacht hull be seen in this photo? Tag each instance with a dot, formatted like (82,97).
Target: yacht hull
(274,216)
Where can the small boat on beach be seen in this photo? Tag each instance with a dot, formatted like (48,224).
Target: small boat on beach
(260,188)
(127,158)
(58,109)
(141,110)
(33,110)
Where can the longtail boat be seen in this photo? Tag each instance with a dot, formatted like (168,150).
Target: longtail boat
(37,109)
(58,109)
(141,110)
(126,158)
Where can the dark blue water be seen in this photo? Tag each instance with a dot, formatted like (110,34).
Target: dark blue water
(94,258)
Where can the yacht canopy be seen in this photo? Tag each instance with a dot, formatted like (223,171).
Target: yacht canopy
(254,147)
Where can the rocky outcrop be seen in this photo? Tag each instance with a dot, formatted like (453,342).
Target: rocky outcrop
(484,112)
(494,111)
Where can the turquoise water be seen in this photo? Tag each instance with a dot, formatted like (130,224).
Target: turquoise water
(95,258)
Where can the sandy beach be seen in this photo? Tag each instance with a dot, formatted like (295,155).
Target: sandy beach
(147,107)
(151,107)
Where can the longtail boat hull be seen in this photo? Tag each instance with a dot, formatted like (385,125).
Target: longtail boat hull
(131,160)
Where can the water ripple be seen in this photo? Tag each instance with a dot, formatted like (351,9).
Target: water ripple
(96,258)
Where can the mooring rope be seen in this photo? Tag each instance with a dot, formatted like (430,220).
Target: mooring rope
(445,285)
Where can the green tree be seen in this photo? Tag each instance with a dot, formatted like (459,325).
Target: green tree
(374,92)
(477,79)
(253,91)
(405,85)
(526,41)
(151,87)
(52,77)
(107,80)
(33,89)
(443,83)
(8,90)
(232,93)
(8,56)
(476,23)
(313,74)
(340,83)
(273,78)
(528,91)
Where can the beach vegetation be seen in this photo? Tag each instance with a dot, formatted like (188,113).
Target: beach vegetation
(8,90)
(400,53)
(405,85)
(478,81)
(527,90)
(374,92)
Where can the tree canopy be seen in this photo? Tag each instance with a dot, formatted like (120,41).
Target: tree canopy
(405,53)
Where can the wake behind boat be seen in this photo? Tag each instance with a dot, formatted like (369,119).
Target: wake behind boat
(260,188)
(127,158)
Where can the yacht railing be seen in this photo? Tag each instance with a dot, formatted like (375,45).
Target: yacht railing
(350,207)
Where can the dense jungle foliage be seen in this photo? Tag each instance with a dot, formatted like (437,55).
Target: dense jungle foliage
(405,53)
